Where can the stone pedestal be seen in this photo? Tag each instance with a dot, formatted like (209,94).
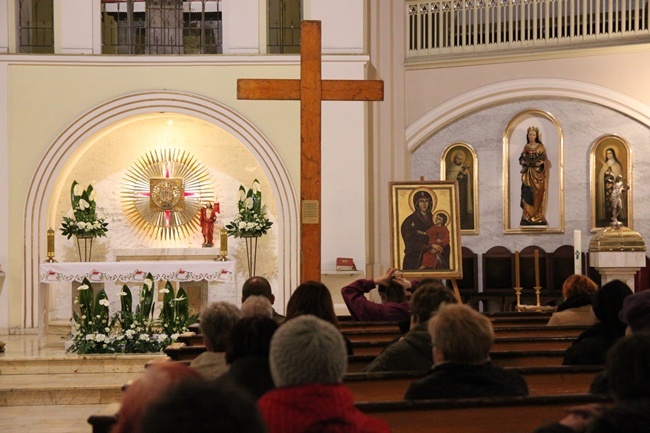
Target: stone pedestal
(617,265)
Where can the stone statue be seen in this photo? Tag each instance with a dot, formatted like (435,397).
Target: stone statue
(208,217)
(619,187)
(534,179)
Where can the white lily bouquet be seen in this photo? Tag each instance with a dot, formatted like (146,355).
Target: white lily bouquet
(85,222)
(251,221)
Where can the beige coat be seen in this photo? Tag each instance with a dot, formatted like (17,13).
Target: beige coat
(573,317)
(210,365)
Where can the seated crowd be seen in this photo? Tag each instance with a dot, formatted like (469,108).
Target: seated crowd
(266,373)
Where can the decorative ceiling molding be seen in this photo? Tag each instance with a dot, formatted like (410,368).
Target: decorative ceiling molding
(498,93)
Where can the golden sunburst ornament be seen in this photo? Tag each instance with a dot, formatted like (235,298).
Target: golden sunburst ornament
(162,193)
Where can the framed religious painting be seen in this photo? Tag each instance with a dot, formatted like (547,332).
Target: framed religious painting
(533,183)
(610,162)
(425,229)
(459,163)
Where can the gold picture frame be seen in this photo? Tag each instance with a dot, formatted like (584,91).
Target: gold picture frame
(533,174)
(460,163)
(609,155)
(425,234)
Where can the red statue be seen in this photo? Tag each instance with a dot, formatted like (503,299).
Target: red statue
(208,217)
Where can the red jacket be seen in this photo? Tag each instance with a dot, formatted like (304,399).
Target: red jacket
(362,309)
(322,408)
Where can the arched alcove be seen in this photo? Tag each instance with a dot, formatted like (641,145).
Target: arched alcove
(69,147)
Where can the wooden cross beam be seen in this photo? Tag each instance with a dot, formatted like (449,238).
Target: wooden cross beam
(311,90)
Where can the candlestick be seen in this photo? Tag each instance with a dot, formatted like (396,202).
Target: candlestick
(537,268)
(517,269)
(223,245)
(50,246)
(577,252)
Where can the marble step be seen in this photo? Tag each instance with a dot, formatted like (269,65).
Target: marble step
(63,389)
(77,364)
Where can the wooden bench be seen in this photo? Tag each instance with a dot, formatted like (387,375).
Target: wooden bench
(476,415)
(550,380)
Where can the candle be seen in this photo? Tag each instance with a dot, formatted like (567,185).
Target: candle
(50,243)
(224,242)
(536,268)
(577,252)
(517,269)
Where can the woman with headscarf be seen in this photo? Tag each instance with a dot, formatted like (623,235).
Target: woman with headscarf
(592,345)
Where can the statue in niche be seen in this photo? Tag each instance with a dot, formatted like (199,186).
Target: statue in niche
(534,180)
(208,217)
(618,188)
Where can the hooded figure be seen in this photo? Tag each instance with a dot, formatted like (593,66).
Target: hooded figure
(591,346)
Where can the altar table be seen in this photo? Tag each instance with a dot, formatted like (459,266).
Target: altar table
(219,275)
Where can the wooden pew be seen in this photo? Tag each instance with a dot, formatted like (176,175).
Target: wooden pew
(550,380)
(476,415)
(538,331)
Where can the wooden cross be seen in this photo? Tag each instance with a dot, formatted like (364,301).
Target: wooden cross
(311,90)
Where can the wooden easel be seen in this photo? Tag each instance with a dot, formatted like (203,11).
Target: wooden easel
(454,284)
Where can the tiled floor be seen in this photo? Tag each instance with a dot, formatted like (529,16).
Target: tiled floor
(35,370)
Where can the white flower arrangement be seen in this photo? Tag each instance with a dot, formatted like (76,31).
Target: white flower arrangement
(251,221)
(85,222)
(128,331)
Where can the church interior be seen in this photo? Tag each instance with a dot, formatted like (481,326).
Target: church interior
(81,102)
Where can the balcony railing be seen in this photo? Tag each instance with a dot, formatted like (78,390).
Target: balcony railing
(161,27)
(475,26)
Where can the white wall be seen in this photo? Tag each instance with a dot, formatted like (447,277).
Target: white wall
(582,124)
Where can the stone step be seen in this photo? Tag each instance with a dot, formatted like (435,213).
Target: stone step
(63,389)
(77,364)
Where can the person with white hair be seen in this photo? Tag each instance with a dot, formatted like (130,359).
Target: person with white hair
(257,305)
(462,338)
(216,323)
(308,360)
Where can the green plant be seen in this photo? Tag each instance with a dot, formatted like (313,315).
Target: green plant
(85,221)
(138,331)
(175,311)
(92,323)
(251,221)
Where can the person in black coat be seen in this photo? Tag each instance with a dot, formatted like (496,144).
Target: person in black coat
(461,339)
(592,345)
(628,368)
(247,354)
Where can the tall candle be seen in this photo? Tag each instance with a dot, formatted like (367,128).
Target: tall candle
(577,252)
(517,269)
(50,243)
(224,242)
(536,268)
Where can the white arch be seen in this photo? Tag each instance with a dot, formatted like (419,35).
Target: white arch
(472,101)
(106,114)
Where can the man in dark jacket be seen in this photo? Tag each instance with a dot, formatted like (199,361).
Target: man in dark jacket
(412,352)
(461,339)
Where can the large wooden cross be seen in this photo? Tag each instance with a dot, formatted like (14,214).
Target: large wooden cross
(311,90)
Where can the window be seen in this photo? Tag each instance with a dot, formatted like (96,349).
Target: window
(35,29)
(284,26)
(161,27)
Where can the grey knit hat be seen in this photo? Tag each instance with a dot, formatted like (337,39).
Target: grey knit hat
(306,350)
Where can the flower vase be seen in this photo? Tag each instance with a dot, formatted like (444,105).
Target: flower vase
(251,253)
(84,247)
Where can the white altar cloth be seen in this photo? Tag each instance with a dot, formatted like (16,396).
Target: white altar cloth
(99,272)
(220,278)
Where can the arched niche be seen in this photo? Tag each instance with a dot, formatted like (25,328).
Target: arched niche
(74,146)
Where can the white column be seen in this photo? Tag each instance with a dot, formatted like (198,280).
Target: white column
(4,26)
(77,26)
(342,24)
(4,202)
(618,265)
(241,26)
